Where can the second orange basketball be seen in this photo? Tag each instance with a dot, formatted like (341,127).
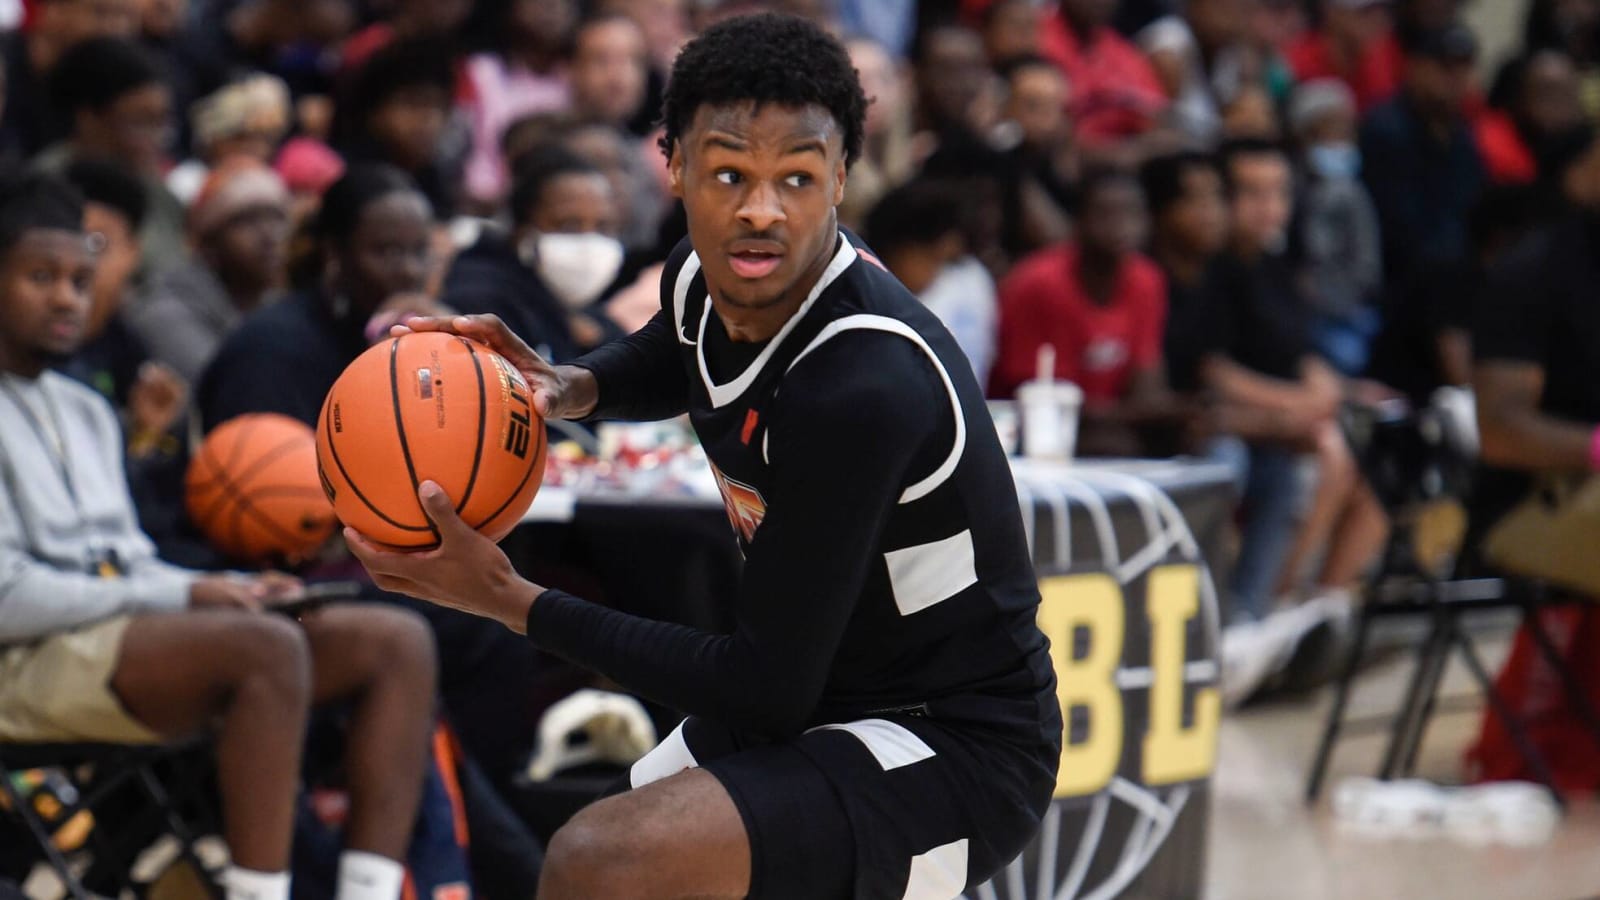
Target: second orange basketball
(429,406)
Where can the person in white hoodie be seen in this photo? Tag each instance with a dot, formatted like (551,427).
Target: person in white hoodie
(100,641)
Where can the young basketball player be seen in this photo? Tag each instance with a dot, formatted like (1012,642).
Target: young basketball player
(882,721)
(101,641)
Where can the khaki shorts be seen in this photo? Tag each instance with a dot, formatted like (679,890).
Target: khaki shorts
(58,689)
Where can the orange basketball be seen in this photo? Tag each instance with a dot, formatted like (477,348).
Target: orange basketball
(253,490)
(429,406)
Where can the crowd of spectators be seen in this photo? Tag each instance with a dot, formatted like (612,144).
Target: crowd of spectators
(1226,219)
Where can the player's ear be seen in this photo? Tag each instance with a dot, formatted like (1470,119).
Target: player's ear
(675,170)
(839,173)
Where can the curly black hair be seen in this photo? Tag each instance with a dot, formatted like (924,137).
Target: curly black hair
(768,58)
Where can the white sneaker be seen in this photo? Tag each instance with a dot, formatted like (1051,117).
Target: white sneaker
(1251,653)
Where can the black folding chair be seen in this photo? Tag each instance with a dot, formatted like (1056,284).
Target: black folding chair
(137,795)
(1409,464)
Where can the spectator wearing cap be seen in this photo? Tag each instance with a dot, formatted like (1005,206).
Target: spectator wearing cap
(1337,246)
(120,107)
(30,122)
(1115,91)
(246,118)
(1419,160)
(1353,45)
(238,237)
(308,168)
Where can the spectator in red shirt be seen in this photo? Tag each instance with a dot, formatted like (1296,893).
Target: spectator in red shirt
(1115,92)
(1102,305)
(1355,45)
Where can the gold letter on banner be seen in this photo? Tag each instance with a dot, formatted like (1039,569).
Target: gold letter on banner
(1093,602)
(1172,752)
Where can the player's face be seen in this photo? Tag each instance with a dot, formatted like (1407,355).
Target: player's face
(44,299)
(760,186)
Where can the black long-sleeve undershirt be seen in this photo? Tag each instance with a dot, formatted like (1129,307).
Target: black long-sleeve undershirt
(843,436)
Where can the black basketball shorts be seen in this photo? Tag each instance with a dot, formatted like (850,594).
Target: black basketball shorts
(892,807)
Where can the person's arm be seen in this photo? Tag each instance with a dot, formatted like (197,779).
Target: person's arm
(1514,433)
(639,377)
(37,598)
(1516,315)
(842,441)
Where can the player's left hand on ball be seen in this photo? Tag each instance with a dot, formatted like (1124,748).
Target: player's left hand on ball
(467,571)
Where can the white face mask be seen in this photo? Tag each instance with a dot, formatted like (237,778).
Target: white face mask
(575,267)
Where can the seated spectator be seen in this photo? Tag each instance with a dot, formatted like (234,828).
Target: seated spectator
(1203,61)
(239,237)
(1534,103)
(1036,99)
(150,398)
(1353,45)
(1010,30)
(522,72)
(562,252)
(917,230)
(609,69)
(120,110)
(1102,306)
(246,118)
(1336,243)
(632,167)
(396,110)
(373,251)
(1115,91)
(1276,394)
(112,358)
(1418,157)
(31,122)
(101,641)
(1190,230)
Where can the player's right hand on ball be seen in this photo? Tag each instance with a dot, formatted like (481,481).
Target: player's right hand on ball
(559,392)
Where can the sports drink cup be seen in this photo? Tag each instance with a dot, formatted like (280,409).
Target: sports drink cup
(1050,411)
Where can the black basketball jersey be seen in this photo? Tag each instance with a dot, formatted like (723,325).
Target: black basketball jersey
(886,565)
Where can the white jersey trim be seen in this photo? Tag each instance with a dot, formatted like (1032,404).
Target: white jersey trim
(670,757)
(939,874)
(929,574)
(724,394)
(890,743)
(868,322)
(680,294)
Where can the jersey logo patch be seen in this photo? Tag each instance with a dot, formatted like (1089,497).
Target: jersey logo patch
(751,417)
(745,505)
(871,259)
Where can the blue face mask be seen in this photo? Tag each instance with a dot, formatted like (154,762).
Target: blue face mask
(1335,160)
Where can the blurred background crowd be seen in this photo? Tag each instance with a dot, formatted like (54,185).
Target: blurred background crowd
(1228,220)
